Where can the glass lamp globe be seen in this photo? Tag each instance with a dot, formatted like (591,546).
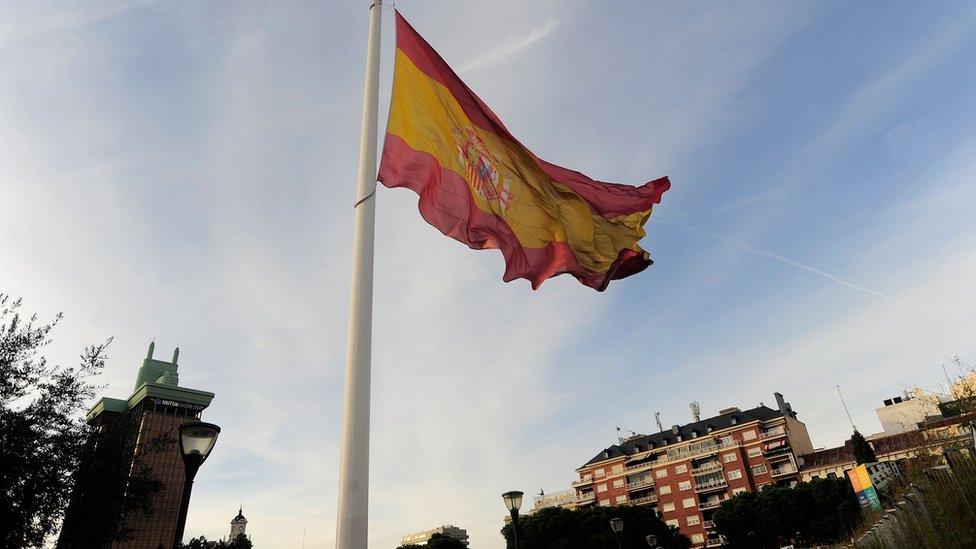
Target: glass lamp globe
(513,500)
(198,439)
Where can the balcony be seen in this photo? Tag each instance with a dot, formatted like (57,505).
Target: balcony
(650,498)
(710,504)
(585,497)
(640,484)
(709,467)
(714,542)
(710,486)
(583,482)
(640,467)
(773,433)
(708,524)
(788,469)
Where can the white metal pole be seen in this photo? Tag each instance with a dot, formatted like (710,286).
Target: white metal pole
(351,528)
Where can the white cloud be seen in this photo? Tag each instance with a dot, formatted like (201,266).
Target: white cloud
(513,45)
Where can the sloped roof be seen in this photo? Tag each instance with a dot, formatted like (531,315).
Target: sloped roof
(666,438)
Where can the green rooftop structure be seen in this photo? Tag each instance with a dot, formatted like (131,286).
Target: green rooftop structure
(155,410)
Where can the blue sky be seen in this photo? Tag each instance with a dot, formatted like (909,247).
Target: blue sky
(185,172)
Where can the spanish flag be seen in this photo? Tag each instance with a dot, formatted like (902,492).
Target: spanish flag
(480,186)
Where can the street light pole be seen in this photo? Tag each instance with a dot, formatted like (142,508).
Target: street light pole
(617,526)
(197,439)
(513,501)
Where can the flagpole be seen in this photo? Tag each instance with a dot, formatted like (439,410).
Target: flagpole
(351,527)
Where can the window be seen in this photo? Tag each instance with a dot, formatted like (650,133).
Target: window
(678,469)
(693,520)
(688,502)
(600,488)
(618,468)
(604,503)
(661,473)
(727,439)
(832,475)
(735,474)
(664,490)
(738,491)
(669,506)
(621,499)
(599,473)
(684,485)
(698,538)
(618,483)
(754,452)
(672,522)
(759,469)
(729,458)
(749,435)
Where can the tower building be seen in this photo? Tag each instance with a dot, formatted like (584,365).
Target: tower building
(238,525)
(150,418)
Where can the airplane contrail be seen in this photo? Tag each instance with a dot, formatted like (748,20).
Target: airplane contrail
(810,269)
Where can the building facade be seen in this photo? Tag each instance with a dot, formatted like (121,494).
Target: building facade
(901,414)
(420,538)
(155,410)
(685,473)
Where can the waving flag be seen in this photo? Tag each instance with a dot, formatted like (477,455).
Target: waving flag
(480,186)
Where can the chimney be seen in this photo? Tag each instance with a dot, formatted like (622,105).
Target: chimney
(783,406)
(674,429)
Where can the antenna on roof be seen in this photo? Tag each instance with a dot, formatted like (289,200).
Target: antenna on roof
(848,412)
(695,410)
(657,418)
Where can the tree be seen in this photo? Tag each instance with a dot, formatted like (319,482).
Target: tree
(240,542)
(863,452)
(42,432)
(589,528)
(819,512)
(437,541)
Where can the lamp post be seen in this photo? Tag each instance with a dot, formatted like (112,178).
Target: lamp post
(197,439)
(617,525)
(513,501)
(651,541)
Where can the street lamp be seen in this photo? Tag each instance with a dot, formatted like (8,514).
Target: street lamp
(617,525)
(651,541)
(197,439)
(513,501)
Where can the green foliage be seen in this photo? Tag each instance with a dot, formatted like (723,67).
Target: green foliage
(240,542)
(42,431)
(819,512)
(863,452)
(437,541)
(589,528)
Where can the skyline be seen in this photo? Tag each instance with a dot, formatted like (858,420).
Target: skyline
(186,174)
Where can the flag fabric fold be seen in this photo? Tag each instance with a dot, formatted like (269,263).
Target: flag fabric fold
(480,186)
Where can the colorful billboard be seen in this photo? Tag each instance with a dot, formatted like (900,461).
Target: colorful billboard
(864,488)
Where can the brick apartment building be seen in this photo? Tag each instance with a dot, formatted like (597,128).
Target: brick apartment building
(686,472)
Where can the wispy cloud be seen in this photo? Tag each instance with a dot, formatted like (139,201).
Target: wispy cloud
(766,253)
(513,45)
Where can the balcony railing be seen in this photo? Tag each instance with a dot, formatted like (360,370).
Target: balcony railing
(640,467)
(773,433)
(714,542)
(710,504)
(583,482)
(586,496)
(708,524)
(709,486)
(640,484)
(709,467)
(786,470)
(650,498)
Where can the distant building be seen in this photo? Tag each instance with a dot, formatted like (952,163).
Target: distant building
(685,473)
(931,436)
(238,525)
(157,407)
(420,538)
(566,499)
(903,413)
